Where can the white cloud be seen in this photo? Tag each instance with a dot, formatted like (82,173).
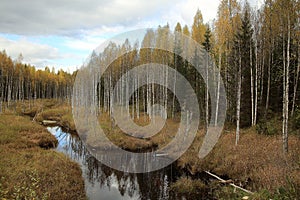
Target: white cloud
(90,39)
(88,44)
(184,11)
(65,17)
(36,54)
(32,52)
(82,25)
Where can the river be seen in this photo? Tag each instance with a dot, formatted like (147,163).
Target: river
(102,182)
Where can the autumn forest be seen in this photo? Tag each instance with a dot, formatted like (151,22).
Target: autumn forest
(256,50)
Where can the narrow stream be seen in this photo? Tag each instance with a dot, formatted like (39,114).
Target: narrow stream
(102,182)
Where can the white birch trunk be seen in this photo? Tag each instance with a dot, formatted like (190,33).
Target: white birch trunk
(166,94)
(256,83)
(252,87)
(296,81)
(238,104)
(153,97)
(286,107)
(148,91)
(174,86)
(206,90)
(262,74)
(218,88)
(137,97)
(9,93)
(283,95)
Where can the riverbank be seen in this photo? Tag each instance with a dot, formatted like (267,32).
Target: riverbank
(257,163)
(29,168)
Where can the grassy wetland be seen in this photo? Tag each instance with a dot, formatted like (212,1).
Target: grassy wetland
(231,81)
(30,168)
(257,163)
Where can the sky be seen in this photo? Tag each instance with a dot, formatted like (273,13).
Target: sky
(63,33)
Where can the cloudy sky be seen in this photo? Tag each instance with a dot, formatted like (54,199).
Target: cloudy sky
(62,33)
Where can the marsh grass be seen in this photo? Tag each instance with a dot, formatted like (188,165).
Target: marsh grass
(188,188)
(28,171)
(256,163)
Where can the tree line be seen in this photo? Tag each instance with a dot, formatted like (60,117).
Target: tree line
(19,82)
(257,51)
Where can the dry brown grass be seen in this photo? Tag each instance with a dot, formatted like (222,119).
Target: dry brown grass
(130,143)
(20,132)
(188,188)
(48,109)
(257,162)
(30,172)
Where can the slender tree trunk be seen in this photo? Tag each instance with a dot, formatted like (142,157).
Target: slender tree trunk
(252,87)
(148,93)
(269,81)
(99,93)
(110,93)
(284,93)
(144,99)
(29,92)
(262,77)
(296,81)
(218,87)
(105,95)
(153,96)
(1,93)
(286,107)
(19,88)
(238,103)
(35,93)
(174,85)
(206,90)
(8,91)
(137,97)
(166,92)
(256,81)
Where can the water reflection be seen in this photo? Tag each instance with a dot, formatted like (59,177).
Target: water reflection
(102,182)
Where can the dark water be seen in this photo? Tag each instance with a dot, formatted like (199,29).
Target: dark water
(102,182)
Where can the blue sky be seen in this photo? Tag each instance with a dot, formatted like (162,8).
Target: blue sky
(62,33)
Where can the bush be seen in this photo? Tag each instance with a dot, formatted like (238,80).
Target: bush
(269,127)
(295,120)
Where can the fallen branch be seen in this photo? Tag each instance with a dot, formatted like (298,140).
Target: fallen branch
(232,184)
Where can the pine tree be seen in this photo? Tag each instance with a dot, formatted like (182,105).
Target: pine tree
(207,47)
(246,50)
(207,38)
(243,46)
(178,63)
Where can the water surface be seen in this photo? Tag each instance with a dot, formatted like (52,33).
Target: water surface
(102,182)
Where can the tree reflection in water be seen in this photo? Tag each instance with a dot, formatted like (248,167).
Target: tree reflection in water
(103,182)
